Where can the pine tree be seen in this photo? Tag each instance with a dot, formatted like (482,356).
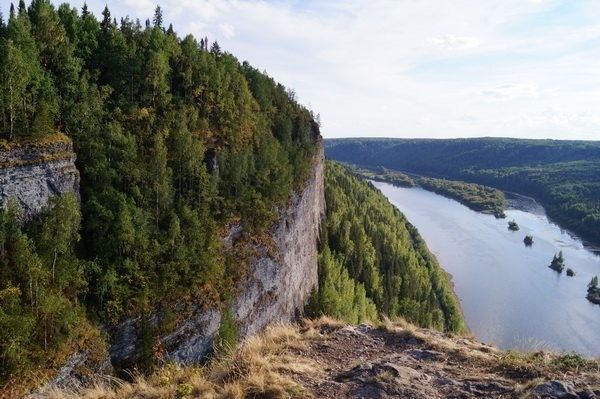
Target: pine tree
(158,18)
(2,26)
(15,79)
(215,49)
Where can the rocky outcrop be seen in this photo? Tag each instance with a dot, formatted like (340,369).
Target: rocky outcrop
(32,173)
(406,362)
(278,284)
(327,359)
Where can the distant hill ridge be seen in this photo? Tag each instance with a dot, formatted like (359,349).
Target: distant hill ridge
(563,175)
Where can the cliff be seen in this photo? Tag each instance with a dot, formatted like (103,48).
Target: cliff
(32,172)
(277,286)
(328,359)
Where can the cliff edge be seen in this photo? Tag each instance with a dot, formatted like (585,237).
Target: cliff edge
(327,359)
(277,285)
(32,172)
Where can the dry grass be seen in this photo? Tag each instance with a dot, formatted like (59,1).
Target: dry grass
(259,368)
(41,142)
(276,362)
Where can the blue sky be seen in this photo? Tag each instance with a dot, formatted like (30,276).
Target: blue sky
(406,68)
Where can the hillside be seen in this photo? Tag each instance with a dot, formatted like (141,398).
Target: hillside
(157,173)
(328,359)
(371,255)
(562,175)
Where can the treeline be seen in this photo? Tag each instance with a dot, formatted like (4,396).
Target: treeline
(475,196)
(174,138)
(374,245)
(562,175)
(384,175)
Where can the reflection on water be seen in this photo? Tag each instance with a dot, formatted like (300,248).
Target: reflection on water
(508,294)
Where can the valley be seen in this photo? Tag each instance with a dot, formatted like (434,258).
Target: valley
(509,295)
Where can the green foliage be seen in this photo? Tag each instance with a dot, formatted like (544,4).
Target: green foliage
(558,262)
(475,196)
(593,283)
(513,226)
(384,175)
(366,239)
(41,280)
(173,142)
(562,175)
(569,361)
(339,295)
(184,391)
(227,335)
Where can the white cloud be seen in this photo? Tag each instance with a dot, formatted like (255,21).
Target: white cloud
(413,68)
(227,30)
(452,42)
(511,90)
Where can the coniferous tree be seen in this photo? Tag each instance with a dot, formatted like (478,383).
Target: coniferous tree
(158,18)
(149,116)
(215,49)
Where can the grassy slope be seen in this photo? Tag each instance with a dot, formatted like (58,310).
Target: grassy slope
(325,358)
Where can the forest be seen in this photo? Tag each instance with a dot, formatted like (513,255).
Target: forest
(383,175)
(475,196)
(175,138)
(372,251)
(562,175)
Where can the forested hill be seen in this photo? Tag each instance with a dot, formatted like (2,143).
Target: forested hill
(175,139)
(373,260)
(563,175)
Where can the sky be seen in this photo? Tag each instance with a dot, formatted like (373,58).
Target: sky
(413,68)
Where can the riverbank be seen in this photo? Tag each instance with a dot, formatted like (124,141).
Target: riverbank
(478,197)
(511,199)
(508,294)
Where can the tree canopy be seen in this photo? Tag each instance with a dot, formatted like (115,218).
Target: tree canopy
(173,143)
(561,174)
(368,241)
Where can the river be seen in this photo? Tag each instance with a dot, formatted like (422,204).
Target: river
(509,296)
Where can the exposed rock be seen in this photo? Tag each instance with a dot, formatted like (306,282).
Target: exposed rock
(193,339)
(276,289)
(554,389)
(33,173)
(82,369)
(368,362)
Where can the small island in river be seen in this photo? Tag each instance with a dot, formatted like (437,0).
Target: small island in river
(558,263)
(594,291)
(477,197)
(513,226)
(384,175)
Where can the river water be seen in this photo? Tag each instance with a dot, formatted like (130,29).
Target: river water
(508,294)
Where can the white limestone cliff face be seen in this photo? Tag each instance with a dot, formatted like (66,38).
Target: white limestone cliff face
(33,173)
(276,289)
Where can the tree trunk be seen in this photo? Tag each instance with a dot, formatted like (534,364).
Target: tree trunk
(11,108)
(54,264)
